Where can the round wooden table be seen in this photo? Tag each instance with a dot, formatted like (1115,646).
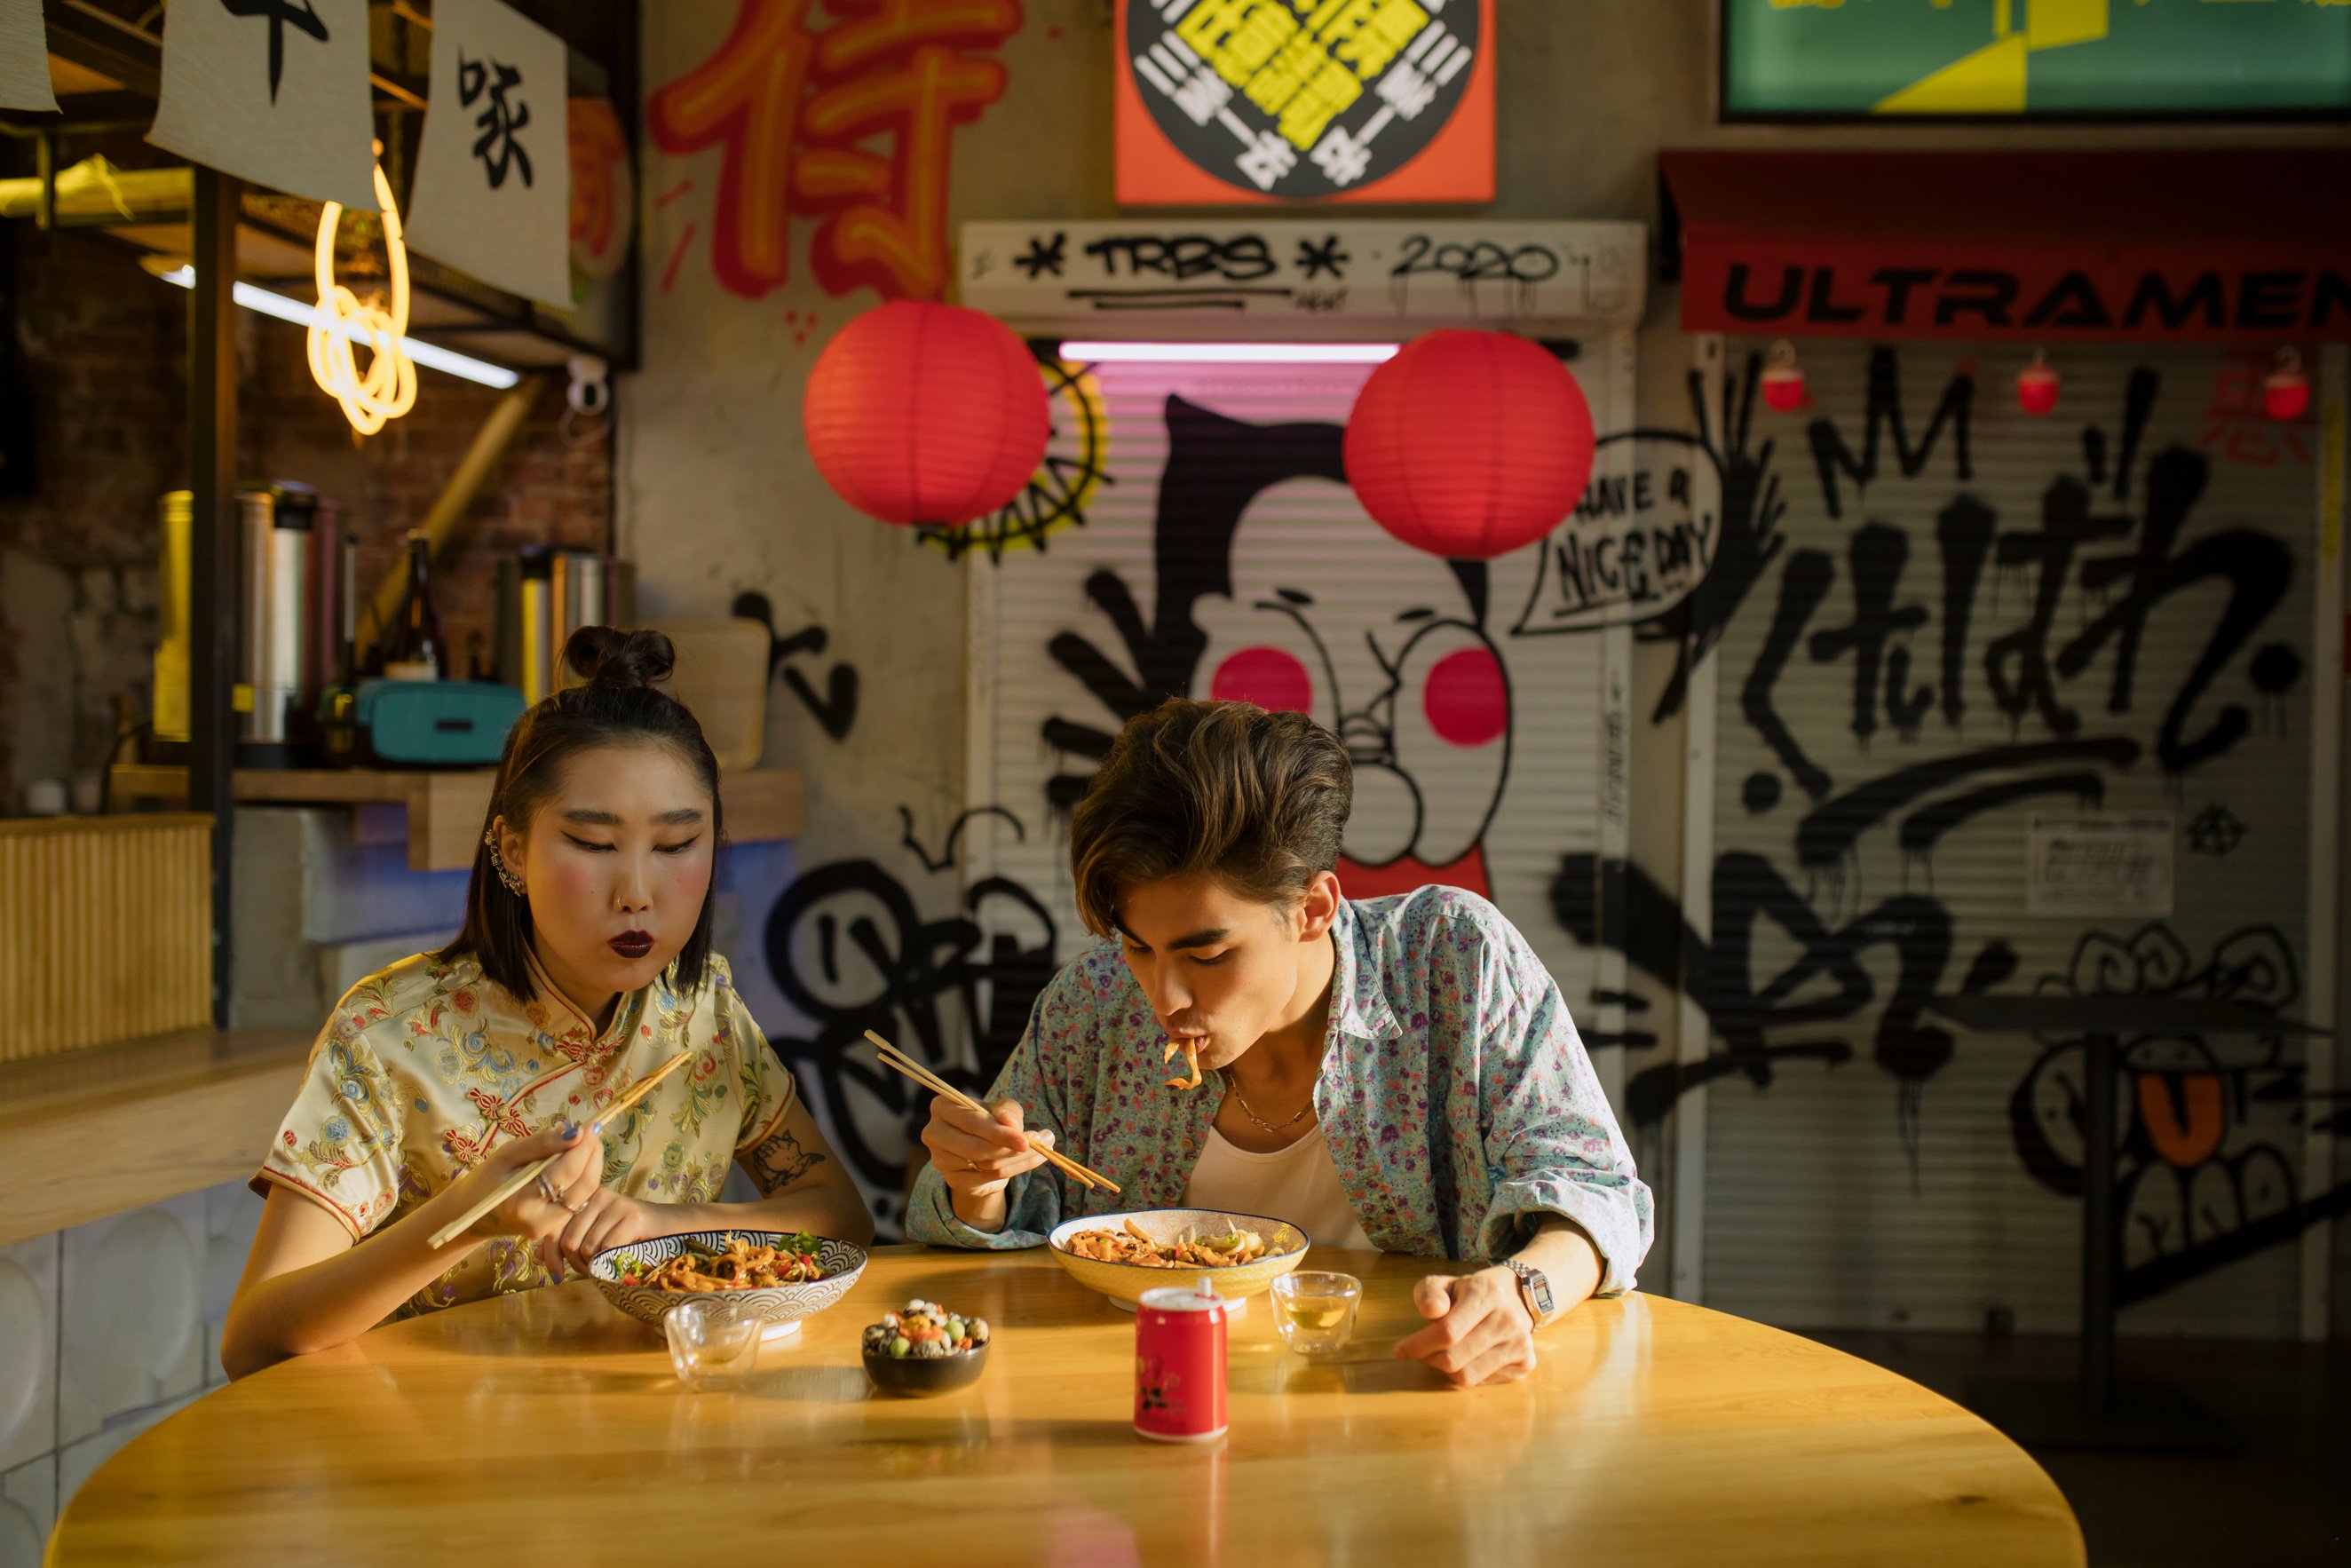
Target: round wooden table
(548,1427)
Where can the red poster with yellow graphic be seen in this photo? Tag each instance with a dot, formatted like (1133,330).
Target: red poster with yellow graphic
(1237,101)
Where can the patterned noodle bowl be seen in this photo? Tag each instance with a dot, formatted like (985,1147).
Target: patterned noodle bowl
(842,1262)
(1123,1283)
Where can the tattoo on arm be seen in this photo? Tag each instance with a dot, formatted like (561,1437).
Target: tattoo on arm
(779,1162)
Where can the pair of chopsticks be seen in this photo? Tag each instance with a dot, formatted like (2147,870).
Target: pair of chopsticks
(530,1173)
(893,1057)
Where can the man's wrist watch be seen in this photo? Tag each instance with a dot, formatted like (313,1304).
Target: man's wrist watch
(1534,1290)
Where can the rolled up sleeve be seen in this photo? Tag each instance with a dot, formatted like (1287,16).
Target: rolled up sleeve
(1553,1144)
(1033,1201)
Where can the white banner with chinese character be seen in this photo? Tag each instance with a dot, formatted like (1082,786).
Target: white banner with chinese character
(24,56)
(493,194)
(274,91)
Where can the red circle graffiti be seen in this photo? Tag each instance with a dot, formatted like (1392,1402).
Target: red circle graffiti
(1268,677)
(1465,699)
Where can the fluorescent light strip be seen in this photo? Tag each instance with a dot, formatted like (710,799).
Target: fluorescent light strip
(1229,353)
(440,359)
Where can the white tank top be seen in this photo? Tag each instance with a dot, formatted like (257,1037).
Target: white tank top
(1299,1184)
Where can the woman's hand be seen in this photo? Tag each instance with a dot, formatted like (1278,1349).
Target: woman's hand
(1478,1330)
(541,1211)
(978,1156)
(606,1219)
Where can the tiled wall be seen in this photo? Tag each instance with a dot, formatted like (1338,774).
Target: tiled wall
(105,1329)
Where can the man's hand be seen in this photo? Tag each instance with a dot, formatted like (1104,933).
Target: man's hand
(1478,1329)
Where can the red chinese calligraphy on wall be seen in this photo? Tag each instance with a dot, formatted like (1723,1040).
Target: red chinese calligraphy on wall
(853,124)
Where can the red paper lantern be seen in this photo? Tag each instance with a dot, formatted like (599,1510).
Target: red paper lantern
(1783,379)
(2036,387)
(1469,444)
(920,412)
(2286,391)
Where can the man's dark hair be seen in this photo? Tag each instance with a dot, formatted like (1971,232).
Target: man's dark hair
(1259,799)
(616,704)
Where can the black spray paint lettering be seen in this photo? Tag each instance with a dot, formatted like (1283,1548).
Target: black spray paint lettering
(849,951)
(2021,669)
(1185,257)
(1883,414)
(834,708)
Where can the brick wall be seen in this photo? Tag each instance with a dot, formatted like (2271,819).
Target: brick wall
(105,351)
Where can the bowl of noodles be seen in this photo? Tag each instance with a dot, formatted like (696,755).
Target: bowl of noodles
(773,1276)
(1123,1255)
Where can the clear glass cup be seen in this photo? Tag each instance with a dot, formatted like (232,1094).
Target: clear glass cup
(711,1344)
(1315,1314)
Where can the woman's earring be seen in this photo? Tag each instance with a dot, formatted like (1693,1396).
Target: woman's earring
(498,862)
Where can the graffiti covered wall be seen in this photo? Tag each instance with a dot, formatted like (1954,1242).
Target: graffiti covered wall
(1965,620)
(1224,557)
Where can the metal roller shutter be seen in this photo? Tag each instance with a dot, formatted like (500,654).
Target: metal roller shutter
(1315,584)
(1860,1173)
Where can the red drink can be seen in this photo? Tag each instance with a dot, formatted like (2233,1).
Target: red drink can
(1179,1364)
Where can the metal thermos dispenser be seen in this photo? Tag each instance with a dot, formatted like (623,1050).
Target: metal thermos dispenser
(296,602)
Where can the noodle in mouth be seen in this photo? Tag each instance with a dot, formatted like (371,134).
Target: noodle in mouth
(1191,1050)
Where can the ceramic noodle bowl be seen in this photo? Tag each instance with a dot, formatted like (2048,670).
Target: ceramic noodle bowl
(842,1262)
(1123,1283)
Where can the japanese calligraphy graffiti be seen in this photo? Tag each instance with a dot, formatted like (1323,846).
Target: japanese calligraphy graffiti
(1299,100)
(794,110)
(281,15)
(1935,619)
(2205,1175)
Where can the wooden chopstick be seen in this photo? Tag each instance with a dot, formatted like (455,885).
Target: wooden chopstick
(530,1173)
(893,1058)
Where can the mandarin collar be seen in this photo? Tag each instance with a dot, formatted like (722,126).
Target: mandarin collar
(626,1012)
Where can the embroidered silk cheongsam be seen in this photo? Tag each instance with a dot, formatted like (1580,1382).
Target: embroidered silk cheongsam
(1455,1098)
(429,1065)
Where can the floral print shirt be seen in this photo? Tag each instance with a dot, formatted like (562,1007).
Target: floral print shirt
(427,1066)
(1457,1100)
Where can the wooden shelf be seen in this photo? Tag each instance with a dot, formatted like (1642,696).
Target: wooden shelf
(113,1127)
(445,809)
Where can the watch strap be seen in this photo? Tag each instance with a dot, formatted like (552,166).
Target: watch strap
(1534,1290)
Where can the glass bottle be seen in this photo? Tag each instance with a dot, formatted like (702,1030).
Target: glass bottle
(417,651)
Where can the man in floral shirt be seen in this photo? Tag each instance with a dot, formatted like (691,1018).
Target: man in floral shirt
(1395,1072)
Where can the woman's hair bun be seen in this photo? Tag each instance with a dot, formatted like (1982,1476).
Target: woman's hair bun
(605,656)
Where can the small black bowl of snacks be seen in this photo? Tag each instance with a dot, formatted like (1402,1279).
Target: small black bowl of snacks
(923,1349)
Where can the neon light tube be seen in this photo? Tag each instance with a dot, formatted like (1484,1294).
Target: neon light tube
(447,360)
(1104,353)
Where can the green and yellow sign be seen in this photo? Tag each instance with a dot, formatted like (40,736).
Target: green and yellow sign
(2125,59)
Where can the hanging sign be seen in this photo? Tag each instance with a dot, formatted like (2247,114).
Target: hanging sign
(493,194)
(274,91)
(1303,100)
(1216,271)
(25,56)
